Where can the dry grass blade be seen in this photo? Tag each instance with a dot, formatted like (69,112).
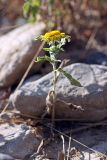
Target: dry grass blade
(63,141)
(30,66)
(43,143)
(69,148)
(90,42)
(86,127)
(61,156)
(40,146)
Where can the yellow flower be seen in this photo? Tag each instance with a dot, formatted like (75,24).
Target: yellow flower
(53,35)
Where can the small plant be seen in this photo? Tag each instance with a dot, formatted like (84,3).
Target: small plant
(52,12)
(31,9)
(56,40)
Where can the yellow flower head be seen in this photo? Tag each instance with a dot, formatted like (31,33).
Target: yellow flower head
(53,36)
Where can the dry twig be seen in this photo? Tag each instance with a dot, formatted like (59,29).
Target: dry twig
(68,152)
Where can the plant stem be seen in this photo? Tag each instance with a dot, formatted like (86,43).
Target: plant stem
(54,96)
(54,83)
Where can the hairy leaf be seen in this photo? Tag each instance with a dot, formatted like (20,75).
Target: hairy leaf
(72,80)
(46,49)
(43,58)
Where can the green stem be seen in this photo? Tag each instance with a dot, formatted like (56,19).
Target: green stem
(54,81)
(54,95)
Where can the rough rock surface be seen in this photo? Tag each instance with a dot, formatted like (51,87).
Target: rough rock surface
(17,140)
(17,48)
(5,157)
(92,97)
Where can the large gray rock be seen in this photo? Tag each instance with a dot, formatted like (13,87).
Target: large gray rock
(17,141)
(5,157)
(17,48)
(92,97)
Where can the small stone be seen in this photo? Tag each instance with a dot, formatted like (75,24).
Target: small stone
(17,141)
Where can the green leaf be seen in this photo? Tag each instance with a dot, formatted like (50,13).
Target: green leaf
(52,50)
(43,58)
(46,49)
(26,8)
(72,80)
(36,3)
